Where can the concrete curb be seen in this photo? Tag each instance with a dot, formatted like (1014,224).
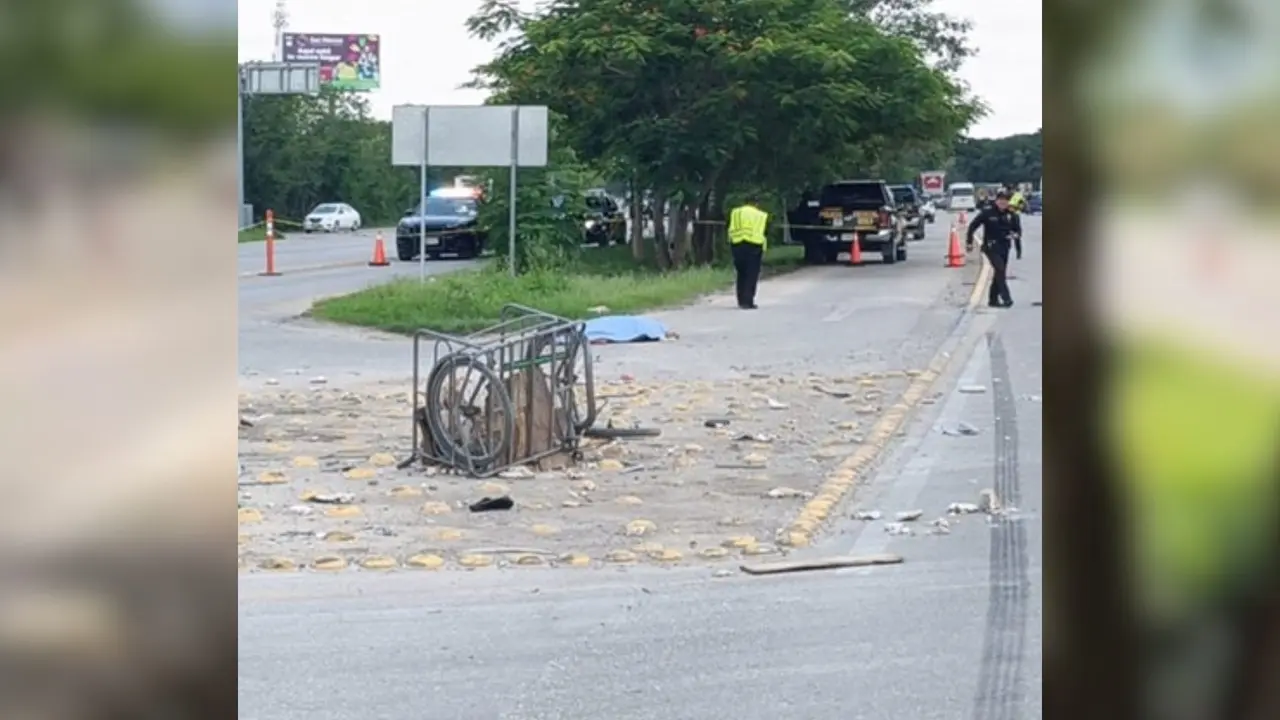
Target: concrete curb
(800,532)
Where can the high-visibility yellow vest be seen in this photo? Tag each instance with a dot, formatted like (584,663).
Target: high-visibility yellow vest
(1017,201)
(747,224)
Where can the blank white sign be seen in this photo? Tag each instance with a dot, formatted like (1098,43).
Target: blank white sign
(469,135)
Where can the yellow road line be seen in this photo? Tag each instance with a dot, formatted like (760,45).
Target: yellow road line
(836,488)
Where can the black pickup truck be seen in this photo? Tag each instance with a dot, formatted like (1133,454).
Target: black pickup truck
(862,208)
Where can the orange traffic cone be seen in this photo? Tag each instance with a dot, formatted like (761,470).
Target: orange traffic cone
(964,218)
(379,253)
(855,251)
(955,256)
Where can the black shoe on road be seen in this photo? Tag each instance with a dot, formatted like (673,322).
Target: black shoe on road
(752,306)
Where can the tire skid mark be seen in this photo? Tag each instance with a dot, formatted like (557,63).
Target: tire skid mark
(1001,691)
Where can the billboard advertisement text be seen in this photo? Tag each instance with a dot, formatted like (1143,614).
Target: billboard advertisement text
(347,62)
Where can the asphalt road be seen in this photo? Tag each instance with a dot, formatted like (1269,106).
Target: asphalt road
(276,343)
(952,633)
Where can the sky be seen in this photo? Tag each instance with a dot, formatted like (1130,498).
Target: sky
(427,53)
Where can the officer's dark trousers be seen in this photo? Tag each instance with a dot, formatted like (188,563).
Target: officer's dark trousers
(998,256)
(747,258)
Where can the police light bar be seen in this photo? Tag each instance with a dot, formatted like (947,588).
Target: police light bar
(455,192)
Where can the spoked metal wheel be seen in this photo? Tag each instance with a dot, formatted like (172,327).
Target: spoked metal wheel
(469,413)
(566,356)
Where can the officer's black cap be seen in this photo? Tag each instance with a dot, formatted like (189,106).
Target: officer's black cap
(1003,194)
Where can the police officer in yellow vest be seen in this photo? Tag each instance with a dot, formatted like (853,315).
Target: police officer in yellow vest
(1018,202)
(748,244)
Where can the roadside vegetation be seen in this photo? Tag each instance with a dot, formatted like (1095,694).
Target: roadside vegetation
(468,301)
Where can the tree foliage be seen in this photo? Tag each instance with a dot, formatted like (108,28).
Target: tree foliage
(695,101)
(1012,159)
(301,151)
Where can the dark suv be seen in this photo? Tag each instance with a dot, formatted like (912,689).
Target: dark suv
(909,202)
(861,208)
(451,228)
(604,223)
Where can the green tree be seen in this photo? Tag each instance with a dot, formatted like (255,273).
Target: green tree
(300,151)
(1009,160)
(697,101)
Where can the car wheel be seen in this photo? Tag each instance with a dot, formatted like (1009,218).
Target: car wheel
(813,254)
(404,255)
(889,255)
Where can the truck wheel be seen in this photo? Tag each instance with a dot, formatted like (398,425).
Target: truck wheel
(830,254)
(902,253)
(889,255)
(813,254)
(404,255)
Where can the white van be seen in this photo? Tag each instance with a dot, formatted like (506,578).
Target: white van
(960,196)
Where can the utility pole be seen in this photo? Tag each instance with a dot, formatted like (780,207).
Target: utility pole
(280,21)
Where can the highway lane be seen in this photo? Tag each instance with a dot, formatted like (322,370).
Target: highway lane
(952,633)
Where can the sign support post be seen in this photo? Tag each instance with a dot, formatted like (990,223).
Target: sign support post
(515,171)
(422,201)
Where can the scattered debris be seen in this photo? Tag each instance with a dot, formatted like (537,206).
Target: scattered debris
(487,504)
(716,422)
(958,508)
(783,493)
(867,515)
(909,515)
(757,437)
(897,528)
(833,563)
(598,310)
(775,405)
(841,394)
(319,380)
(961,429)
(722,573)
(989,502)
(973,389)
(518,472)
(245,424)
(1033,398)
(508,551)
(330,498)
(940,527)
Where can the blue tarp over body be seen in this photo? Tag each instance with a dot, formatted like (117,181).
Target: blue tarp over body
(624,329)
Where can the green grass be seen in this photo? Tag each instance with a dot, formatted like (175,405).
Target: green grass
(472,300)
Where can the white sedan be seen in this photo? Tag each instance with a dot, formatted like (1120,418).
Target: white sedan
(331,217)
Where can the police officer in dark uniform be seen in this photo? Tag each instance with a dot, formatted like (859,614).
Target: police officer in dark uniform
(1001,231)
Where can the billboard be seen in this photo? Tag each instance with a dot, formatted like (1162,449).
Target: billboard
(933,182)
(347,62)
